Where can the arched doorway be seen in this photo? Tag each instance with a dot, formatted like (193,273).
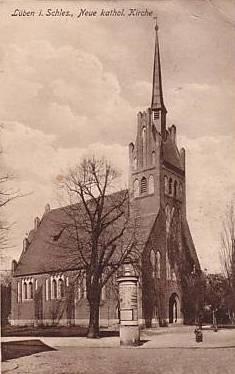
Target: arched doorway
(174,308)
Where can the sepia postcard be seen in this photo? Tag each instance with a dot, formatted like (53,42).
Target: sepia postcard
(117,186)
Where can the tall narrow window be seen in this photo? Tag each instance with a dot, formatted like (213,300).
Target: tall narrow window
(144,136)
(79,293)
(25,291)
(175,188)
(170,186)
(135,163)
(153,158)
(168,268)
(151,184)
(47,290)
(54,289)
(166,184)
(103,293)
(158,265)
(67,281)
(153,262)
(18,292)
(173,275)
(180,191)
(136,188)
(143,186)
(30,293)
(144,145)
(60,288)
(168,218)
(84,292)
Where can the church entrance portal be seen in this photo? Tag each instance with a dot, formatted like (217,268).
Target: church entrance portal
(174,308)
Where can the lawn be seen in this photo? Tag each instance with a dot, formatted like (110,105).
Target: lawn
(56,331)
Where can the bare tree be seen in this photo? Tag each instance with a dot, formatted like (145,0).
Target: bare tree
(5,283)
(99,229)
(227,252)
(7,194)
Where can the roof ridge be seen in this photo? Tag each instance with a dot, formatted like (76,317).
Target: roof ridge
(67,206)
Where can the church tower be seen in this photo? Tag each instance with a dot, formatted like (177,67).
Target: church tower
(154,150)
(157,190)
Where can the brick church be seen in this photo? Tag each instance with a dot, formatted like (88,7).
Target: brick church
(41,280)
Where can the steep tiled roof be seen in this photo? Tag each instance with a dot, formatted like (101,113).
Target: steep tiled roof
(189,242)
(52,247)
(44,253)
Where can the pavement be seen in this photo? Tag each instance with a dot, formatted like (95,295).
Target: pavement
(175,337)
(163,350)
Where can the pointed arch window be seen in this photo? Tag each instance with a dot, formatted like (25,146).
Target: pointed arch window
(144,135)
(47,290)
(153,160)
(168,217)
(151,184)
(136,188)
(144,145)
(158,265)
(54,289)
(103,293)
(79,293)
(165,184)
(60,288)
(25,294)
(30,289)
(18,292)
(173,275)
(175,188)
(170,186)
(180,190)
(168,268)
(143,185)
(135,163)
(153,262)
(84,290)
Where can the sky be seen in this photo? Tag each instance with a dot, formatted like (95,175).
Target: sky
(72,86)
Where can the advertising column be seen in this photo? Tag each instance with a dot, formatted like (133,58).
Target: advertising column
(129,327)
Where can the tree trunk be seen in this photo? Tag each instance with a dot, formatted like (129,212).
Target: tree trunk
(93,329)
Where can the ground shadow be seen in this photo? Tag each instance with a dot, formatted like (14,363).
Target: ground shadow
(143,341)
(54,331)
(108,333)
(21,348)
(46,331)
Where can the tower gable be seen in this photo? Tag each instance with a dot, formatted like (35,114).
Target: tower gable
(144,161)
(145,154)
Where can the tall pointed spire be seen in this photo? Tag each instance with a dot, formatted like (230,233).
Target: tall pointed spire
(157,94)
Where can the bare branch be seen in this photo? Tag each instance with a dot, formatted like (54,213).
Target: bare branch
(97,231)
